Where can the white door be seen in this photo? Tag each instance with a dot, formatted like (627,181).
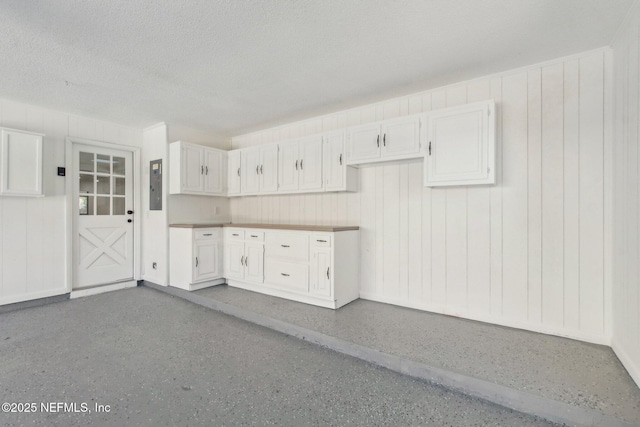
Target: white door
(250,170)
(311,163)
(192,168)
(103,216)
(269,169)
(213,171)
(321,272)
(207,258)
(254,262)
(461,146)
(234,172)
(363,143)
(400,136)
(234,260)
(334,165)
(289,166)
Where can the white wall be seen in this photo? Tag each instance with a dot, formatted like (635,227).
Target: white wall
(626,271)
(527,252)
(32,230)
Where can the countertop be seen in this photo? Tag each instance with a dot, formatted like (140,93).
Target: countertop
(301,227)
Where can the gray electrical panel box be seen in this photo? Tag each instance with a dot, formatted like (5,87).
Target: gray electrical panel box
(155,185)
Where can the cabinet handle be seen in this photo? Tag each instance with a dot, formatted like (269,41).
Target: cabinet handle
(242,260)
(285,274)
(429,147)
(384,140)
(201,170)
(208,234)
(253,235)
(257,169)
(246,261)
(296,165)
(285,246)
(340,159)
(196,261)
(301,164)
(235,234)
(261,173)
(238,171)
(378,141)
(322,241)
(327,272)
(206,170)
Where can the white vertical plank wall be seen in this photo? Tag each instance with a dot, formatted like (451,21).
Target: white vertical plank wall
(527,252)
(32,230)
(626,196)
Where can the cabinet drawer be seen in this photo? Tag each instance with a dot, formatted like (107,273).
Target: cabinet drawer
(234,234)
(289,275)
(320,240)
(292,246)
(206,233)
(258,236)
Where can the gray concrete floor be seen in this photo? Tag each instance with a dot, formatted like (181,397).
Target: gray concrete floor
(158,360)
(566,370)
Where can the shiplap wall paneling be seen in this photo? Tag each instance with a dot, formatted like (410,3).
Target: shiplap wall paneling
(626,198)
(32,230)
(527,252)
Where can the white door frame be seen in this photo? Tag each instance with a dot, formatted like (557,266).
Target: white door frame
(70,141)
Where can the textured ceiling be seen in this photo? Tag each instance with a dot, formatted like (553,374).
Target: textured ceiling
(231,66)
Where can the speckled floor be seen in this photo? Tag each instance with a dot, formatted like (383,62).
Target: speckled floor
(570,371)
(157,360)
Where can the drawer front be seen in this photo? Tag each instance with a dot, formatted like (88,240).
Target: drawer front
(293,246)
(257,236)
(320,240)
(289,275)
(206,233)
(234,233)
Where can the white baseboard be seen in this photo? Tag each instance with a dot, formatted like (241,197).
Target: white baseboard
(80,293)
(627,361)
(577,335)
(32,296)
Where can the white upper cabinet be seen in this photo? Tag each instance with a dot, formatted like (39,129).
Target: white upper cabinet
(20,163)
(400,136)
(259,170)
(338,176)
(461,146)
(393,139)
(195,169)
(233,176)
(300,164)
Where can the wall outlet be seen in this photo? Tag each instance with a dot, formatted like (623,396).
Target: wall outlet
(154,265)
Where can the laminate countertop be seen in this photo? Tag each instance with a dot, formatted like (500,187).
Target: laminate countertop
(328,228)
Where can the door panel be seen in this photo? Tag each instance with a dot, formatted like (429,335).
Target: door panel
(401,136)
(234,172)
(254,262)
(363,143)
(321,272)
(334,162)
(289,166)
(207,260)
(311,163)
(192,169)
(103,228)
(213,169)
(234,260)
(269,169)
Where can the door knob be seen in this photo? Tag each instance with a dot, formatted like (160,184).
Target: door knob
(129,220)
(129,212)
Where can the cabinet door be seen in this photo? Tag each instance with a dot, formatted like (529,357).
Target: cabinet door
(254,262)
(207,260)
(233,176)
(461,146)
(192,168)
(400,136)
(334,162)
(311,163)
(213,171)
(269,169)
(289,166)
(321,272)
(250,170)
(234,260)
(363,143)
(21,154)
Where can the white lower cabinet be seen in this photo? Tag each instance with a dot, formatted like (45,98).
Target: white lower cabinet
(307,266)
(195,258)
